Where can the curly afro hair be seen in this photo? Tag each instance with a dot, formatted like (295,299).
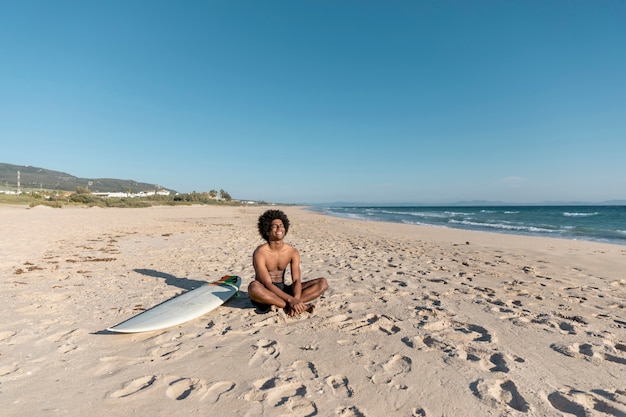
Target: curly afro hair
(265,222)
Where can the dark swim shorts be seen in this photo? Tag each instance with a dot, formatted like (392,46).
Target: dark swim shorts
(285,288)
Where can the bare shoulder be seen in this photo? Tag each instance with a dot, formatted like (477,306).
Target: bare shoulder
(292,251)
(288,252)
(260,250)
(261,247)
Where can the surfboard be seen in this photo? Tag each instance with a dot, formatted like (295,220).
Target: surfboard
(182,308)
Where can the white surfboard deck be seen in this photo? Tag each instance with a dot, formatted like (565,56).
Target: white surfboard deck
(180,309)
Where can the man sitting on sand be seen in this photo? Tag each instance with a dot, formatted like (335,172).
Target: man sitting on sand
(270,262)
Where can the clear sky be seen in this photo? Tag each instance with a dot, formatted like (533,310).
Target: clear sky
(319,101)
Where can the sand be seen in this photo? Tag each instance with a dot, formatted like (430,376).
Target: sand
(418,321)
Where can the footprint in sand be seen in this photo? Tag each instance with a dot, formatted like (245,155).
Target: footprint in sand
(497,359)
(371,322)
(615,353)
(66,340)
(66,348)
(487,359)
(181,388)
(169,350)
(268,321)
(395,366)
(339,320)
(349,412)
(165,351)
(562,323)
(263,351)
(111,365)
(499,392)
(579,403)
(258,393)
(418,412)
(434,343)
(134,387)
(454,339)
(478,333)
(279,395)
(217,390)
(339,384)
(304,370)
(457,331)
(566,327)
(283,393)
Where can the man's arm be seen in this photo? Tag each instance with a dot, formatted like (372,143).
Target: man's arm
(295,274)
(296,306)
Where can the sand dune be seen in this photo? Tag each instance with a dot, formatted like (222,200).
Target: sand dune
(418,321)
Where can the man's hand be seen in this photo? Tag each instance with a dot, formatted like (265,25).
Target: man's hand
(295,307)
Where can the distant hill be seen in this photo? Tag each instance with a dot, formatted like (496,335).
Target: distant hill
(41,178)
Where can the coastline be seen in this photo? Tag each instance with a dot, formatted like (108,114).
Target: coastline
(418,320)
(594,223)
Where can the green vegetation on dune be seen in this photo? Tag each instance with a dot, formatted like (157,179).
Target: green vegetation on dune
(33,199)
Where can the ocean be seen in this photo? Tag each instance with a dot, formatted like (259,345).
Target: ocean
(605,224)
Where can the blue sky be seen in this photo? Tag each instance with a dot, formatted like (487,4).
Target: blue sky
(322,101)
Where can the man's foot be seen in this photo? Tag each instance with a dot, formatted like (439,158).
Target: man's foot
(309,308)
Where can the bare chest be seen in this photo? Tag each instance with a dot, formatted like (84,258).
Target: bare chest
(277,260)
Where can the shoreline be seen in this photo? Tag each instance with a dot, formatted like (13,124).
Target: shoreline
(508,220)
(418,320)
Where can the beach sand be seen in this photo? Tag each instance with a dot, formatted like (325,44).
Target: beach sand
(418,321)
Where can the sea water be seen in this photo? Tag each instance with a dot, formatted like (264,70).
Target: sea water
(593,223)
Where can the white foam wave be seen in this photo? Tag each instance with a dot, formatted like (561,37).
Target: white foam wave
(355,216)
(504,226)
(414,214)
(457,213)
(567,214)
